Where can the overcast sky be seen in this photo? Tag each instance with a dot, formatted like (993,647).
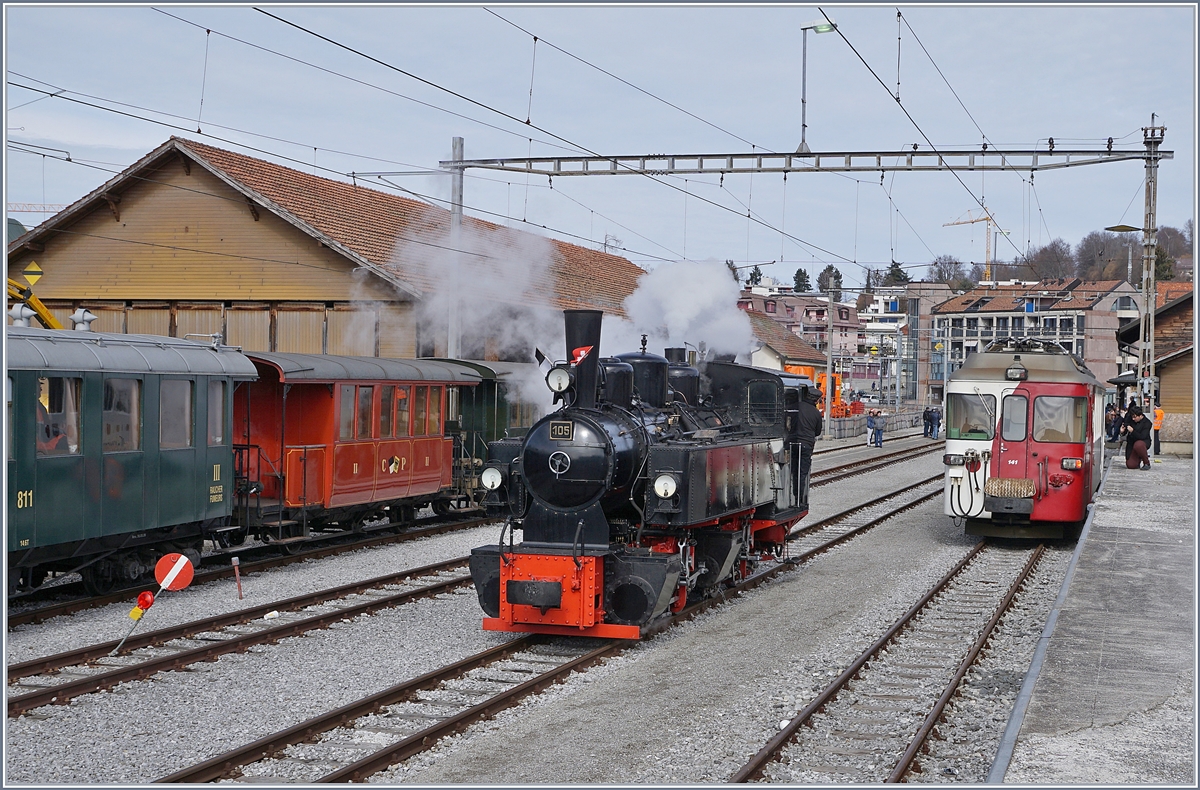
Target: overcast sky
(1079,74)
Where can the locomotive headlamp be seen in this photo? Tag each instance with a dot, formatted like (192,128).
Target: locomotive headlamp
(491,478)
(558,379)
(953,460)
(665,486)
(1072,463)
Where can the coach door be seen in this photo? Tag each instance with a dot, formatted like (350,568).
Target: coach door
(395,442)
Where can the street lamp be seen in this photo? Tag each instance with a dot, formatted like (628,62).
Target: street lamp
(821,26)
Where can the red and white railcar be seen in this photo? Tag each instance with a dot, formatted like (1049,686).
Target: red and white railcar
(1024,440)
(322,439)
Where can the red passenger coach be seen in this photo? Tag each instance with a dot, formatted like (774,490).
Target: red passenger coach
(326,440)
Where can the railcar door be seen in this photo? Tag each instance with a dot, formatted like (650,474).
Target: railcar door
(395,442)
(123,443)
(1011,444)
(354,453)
(179,485)
(428,450)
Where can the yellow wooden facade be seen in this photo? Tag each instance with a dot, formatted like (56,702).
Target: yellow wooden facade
(183,253)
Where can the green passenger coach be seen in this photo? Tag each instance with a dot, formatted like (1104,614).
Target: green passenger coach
(119,451)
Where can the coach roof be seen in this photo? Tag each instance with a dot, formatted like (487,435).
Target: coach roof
(325,367)
(69,351)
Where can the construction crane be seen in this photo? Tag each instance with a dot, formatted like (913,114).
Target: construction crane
(987,250)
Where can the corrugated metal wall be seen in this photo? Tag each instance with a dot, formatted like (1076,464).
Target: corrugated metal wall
(249,328)
(145,321)
(300,329)
(350,331)
(397,331)
(198,320)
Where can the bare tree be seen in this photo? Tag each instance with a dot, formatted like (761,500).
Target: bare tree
(1051,261)
(946,269)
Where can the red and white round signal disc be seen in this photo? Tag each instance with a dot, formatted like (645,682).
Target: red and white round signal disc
(174,572)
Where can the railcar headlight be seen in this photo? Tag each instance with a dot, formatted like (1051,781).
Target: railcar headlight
(558,379)
(1072,463)
(954,460)
(491,478)
(665,486)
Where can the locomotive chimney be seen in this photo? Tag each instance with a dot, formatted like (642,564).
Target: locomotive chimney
(583,350)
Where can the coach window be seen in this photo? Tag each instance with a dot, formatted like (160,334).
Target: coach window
(216,413)
(1059,419)
(1014,418)
(387,411)
(346,415)
(402,411)
(366,400)
(421,396)
(174,414)
(435,411)
(58,416)
(122,415)
(970,416)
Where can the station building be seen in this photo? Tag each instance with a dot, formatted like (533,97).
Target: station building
(197,240)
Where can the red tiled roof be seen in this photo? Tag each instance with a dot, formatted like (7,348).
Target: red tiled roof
(775,335)
(371,224)
(1169,291)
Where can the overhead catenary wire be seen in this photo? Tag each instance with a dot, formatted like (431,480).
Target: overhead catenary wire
(513,118)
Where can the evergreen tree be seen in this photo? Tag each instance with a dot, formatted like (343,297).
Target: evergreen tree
(830,279)
(801,282)
(755,277)
(1164,265)
(737,276)
(895,275)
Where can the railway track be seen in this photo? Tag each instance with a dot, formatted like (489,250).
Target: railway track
(59,678)
(871,722)
(820,477)
(218,566)
(371,734)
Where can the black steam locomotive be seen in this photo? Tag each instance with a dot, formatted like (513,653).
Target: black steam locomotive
(655,481)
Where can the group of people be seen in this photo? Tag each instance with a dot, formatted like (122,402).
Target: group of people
(932,418)
(1135,427)
(876,421)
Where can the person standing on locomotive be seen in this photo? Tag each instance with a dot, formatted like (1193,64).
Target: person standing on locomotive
(809,425)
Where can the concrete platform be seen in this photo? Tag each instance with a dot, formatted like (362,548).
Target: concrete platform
(1114,698)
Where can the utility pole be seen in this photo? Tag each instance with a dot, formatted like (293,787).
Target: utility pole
(829,365)
(456,217)
(1152,136)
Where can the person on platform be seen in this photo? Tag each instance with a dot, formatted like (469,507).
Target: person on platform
(870,427)
(880,423)
(1158,422)
(1137,440)
(927,421)
(936,425)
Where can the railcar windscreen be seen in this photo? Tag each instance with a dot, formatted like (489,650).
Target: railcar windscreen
(1059,419)
(762,403)
(970,416)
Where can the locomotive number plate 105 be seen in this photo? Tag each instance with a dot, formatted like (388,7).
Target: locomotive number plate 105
(562,430)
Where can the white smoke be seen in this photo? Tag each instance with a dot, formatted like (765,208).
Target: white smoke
(682,302)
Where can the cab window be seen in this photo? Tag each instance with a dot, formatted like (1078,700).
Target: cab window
(346,413)
(970,416)
(366,400)
(216,413)
(174,414)
(421,397)
(1059,419)
(762,403)
(1014,418)
(122,423)
(402,411)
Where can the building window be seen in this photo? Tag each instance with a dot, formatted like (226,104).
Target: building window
(986,327)
(174,414)
(1066,326)
(1049,326)
(122,423)
(843,314)
(1001,326)
(956,327)
(972,327)
(1018,325)
(744,304)
(770,306)
(58,416)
